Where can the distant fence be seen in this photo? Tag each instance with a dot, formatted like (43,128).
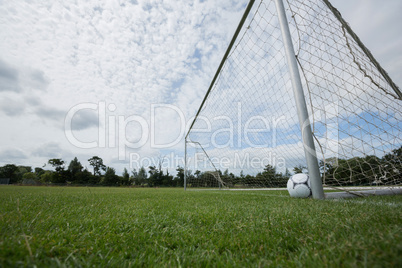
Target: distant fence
(31,182)
(4,181)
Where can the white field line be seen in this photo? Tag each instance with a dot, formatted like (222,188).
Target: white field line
(325,188)
(261,194)
(230,190)
(366,202)
(363,188)
(282,189)
(355,201)
(255,189)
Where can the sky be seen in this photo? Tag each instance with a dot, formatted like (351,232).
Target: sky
(84,78)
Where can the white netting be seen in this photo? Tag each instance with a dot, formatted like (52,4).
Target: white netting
(248,127)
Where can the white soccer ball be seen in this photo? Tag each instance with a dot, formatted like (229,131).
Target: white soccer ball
(299,185)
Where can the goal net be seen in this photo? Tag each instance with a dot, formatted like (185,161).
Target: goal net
(247,128)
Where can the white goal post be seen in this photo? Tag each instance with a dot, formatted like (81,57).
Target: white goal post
(297,91)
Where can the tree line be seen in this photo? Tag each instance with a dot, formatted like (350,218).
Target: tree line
(366,170)
(75,173)
(356,171)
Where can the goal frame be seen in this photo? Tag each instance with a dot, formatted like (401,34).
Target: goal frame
(307,136)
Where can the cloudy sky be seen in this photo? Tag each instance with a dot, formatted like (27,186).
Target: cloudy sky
(83,78)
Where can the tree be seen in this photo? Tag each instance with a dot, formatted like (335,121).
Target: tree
(126,178)
(142,173)
(166,179)
(352,171)
(78,174)
(21,171)
(287,173)
(154,176)
(134,176)
(299,169)
(97,164)
(269,175)
(270,178)
(180,176)
(9,171)
(58,176)
(57,163)
(111,179)
(140,177)
(157,178)
(39,171)
(46,177)
(29,176)
(74,168)
(392,166)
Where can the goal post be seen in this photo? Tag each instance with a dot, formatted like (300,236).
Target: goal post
(296,91)
(307,135)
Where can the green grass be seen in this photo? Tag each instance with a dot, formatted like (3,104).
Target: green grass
(52,226)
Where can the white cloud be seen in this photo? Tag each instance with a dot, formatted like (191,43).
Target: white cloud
(378,26)
(12,107)
(8,78)
(13,156)
(50,150)
(56,55)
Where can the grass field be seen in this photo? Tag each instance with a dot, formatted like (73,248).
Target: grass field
(56,226)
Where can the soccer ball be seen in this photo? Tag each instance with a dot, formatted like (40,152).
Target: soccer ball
(299,185)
